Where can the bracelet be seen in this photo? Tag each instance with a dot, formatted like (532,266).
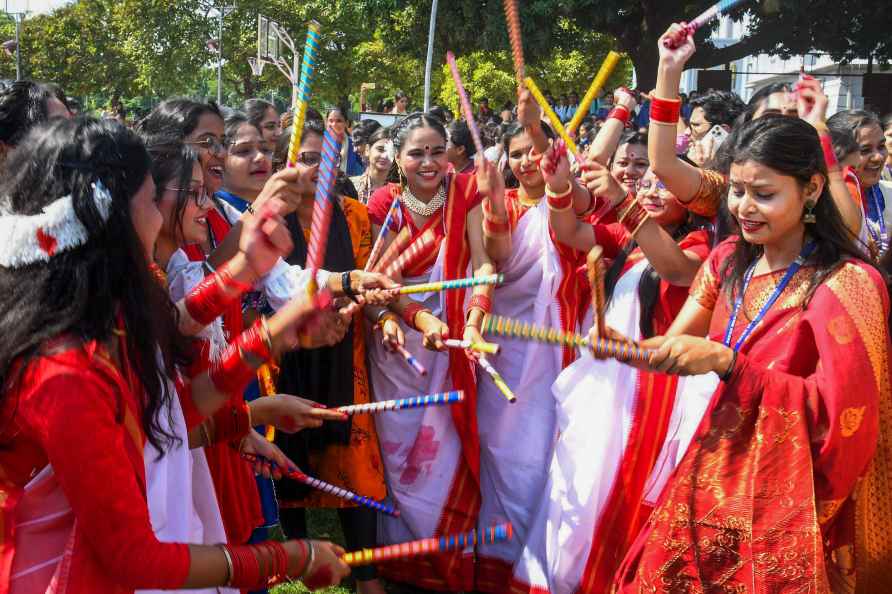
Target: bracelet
(346,287)
(829,153)
(231,373)
(266,334)
(559,202)
(727,375)
(495,228)
(385,315)
(633,218)
(480,301)
(231,423)
(624,205)
(411,311)
(665,110)
(312,556)
(621,113)
(213,295)
(228,566)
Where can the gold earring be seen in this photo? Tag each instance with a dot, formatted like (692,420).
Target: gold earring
(808,217)
(402,178)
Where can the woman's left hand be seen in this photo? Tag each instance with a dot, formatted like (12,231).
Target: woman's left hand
(690,355)
(473,334)
(257,445)
(555,167)
(291,414)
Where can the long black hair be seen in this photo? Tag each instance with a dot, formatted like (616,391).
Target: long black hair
(178,116)
(255,110)
(23,104)
(790,146)
(82,291)
(513,131)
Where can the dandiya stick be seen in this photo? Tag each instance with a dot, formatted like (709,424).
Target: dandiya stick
(429,546)
(323,206)
(410,359)
(489,348)
(465,102)
(595,267)
(512,19)
(385,229)
(315,483)
(461,283)
(409,257)
(552,117)
(268,388)
(399,244)
(443,398)
(497,379)
(307,70)
(603,347)
(714,11)
(598,83)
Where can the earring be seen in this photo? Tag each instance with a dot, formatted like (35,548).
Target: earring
(808,217)
(402,179)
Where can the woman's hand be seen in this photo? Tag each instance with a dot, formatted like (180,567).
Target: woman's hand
(555,167)
(691,355)
(473,334)
(288,185)
(392,333)
(265,238)
(327,568)
(529,113)
(266,452)
(433,329)
(601,183)
(291,414)
(490,182)
(811,102)
(622,96)
(675,58)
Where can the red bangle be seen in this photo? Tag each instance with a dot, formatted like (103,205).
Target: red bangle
(665,110)
(488,213)
(633,217)
(231,423)
(620,112)
(495,227)
(829,153)
(482,302)
(409,313)
(213,295)
(231,373)
(245,567)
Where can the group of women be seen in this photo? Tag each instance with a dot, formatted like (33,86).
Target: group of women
(164,370)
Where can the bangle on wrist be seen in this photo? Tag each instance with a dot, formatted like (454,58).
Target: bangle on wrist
(730,371)
(385,315)
(411,311)
(311,556)
(213,295)
(228,566)
(481,302)
(232,372)
(621,113)
(633,217)
(559,202)
(495,229)
(829,153)
(347,287)
(665,110)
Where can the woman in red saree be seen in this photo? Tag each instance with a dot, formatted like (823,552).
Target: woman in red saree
(780,490)
(88,366)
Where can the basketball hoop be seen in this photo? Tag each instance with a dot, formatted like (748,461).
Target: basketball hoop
(256,66)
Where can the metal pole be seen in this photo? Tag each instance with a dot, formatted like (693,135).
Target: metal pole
(18,47)
(220,59)
(295,78)
(430,57)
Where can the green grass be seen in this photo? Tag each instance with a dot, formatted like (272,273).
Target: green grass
(322,524)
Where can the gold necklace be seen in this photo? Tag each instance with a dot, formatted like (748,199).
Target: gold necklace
(421,208)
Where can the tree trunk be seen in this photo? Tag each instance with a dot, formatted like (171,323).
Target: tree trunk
(645,60)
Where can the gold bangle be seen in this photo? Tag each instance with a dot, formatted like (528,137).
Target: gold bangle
(229,569)
(551,194)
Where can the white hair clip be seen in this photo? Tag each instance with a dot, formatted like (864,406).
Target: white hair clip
(37,238)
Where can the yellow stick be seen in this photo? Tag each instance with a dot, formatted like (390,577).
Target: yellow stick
(552,117)
(307,69)
(604,73)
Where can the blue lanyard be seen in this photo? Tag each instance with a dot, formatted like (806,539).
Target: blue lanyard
(792,270)
(878,208)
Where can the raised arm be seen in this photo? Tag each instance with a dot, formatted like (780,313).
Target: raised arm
(607,140)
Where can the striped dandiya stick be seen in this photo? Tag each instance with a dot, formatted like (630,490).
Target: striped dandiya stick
(429,546)
(465,102)
(307,70)
(714,11)
(512,19)
(315,483)
(410,359)
(489,348)
(497,379)
(399,244)
(323,205)
(412,253)
(598,83)
(552,117)
(461,283)
(595,267)
(385,229)
(442,398)
(603,347)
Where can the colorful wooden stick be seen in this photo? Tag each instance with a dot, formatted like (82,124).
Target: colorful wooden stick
(307,69)
(512,19)
(465,102)
(497,379)
(385,229)
(490,348)
(552,117)
(595,266)
(267,381)
(412,253)
(598,83)
(323,205)
(410,359)
(301,477)
(414,402)
(714,11)
(461,283)
(398,245)
(603,347)
(429,546)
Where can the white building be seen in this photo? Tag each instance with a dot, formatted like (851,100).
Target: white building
(842,83)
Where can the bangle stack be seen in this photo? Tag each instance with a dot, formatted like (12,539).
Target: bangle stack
(480,302)
(665,111)
(385,315)
(254,567)
(494,225)
(829,153)
(621,113)
(411,311)
(560,202)
(231,373)
(213,295)
(633,216)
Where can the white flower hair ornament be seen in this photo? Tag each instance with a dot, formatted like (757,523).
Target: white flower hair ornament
(27,239)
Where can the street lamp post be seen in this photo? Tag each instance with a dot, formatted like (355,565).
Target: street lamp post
(430,57)
(222,10)
(15,45)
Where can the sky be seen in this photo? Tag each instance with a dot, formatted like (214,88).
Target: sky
(33,6)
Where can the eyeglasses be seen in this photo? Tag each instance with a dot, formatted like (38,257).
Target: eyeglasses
(211,145)
(198,195)
(309,158)
(647,186)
